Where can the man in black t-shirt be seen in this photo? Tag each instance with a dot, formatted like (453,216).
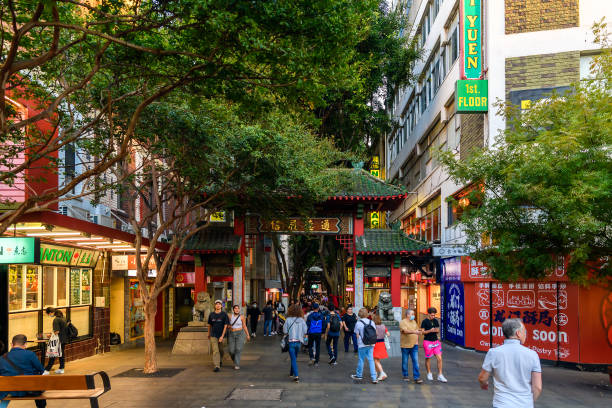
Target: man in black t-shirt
(431,344)
(253,314)
(349,320)
(217,325)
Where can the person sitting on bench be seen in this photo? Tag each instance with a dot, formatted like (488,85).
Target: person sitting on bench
(20,361)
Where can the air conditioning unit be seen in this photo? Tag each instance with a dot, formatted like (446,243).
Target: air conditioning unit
(92,218)
(63,210)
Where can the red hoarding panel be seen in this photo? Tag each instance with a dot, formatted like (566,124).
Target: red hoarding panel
(550,314)
(595,325)
(476,271)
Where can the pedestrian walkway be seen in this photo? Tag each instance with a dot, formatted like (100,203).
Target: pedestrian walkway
(265,370)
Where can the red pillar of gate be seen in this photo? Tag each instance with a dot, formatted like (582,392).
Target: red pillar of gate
(396,284)
(200,279)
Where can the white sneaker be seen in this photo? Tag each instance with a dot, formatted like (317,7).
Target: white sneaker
(45,373)
(441,378)
(59,371)
(430,376)
(382,376)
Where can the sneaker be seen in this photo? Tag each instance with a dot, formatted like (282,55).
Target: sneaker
(316,364)
(429,376)
(405,378)
(331,360)
(45,372)
(296,379)
(236,367)
(335,363)
(418,381)
(354,377)
(311,362)
(59,371)
(374,381)
(441,378)
(253,335)
(216,370)
(382,376)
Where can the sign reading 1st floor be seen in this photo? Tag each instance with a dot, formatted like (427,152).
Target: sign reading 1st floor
(471,95)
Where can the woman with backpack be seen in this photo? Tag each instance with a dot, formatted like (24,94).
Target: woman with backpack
(380,349)
(60,328)
(238,331)
(295,329)
(366,338)
(333,334)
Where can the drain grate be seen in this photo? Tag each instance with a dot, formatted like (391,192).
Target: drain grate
(256,394)
(139,373)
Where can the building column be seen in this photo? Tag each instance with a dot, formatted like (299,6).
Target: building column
(358,283)
(200,275)
(396,283)
(238,282)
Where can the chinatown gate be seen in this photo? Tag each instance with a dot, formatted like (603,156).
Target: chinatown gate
(379,259)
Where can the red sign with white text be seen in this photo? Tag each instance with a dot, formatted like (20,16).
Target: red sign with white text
(549,311)
(476,271)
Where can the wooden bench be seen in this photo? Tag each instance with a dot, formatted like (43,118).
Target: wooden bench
(57,387)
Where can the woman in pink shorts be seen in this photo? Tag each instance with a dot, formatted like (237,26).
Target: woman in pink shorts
(431,344)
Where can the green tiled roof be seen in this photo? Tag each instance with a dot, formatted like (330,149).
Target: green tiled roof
(214,240)
(360,183)
(386,240)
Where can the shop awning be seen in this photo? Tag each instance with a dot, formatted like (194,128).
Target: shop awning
(214,241)
(387,241)
(63,230)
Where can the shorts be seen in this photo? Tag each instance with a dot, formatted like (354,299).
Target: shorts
(431,348)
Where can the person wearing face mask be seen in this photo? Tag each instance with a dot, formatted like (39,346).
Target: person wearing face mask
(516,371)
(409,343)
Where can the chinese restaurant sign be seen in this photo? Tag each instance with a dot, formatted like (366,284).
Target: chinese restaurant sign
(472,94)
(58,255)
(471,39)
(332,225)
(19,250)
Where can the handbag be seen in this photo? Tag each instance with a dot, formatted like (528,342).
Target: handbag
(284,343)
(54,347)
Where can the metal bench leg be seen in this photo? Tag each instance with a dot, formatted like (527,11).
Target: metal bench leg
(94,403)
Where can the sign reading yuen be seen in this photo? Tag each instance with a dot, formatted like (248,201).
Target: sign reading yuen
(472,95)
(471,39)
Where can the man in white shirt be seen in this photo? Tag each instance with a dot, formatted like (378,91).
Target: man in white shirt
(516,369)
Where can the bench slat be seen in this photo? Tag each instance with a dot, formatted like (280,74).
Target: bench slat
(85,394)
(44,382)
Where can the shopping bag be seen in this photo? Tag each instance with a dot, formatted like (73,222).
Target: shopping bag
(54,348)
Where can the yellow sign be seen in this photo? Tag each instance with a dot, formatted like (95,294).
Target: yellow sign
(375,219)
(218,216)
(375,167)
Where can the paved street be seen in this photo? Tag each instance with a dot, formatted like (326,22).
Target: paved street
(264,367)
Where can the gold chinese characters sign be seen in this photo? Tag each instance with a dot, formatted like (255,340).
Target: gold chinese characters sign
(330,225)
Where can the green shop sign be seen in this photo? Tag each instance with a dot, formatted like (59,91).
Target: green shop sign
(472,96)
(58,255)
(19,250)
(471,39)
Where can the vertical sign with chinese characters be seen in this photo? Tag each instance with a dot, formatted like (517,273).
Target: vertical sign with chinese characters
(19,250)
(471,94)
(375,216)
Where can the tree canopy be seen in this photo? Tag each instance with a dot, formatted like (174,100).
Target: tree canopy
(547,184)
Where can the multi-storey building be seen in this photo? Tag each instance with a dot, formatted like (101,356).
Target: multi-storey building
(530,48)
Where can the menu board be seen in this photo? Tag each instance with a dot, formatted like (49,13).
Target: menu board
(15,287)
(75,286)
(85,286)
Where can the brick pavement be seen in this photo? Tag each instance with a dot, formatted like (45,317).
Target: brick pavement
(264,367)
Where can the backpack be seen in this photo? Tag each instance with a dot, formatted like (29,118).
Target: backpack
(71,331)
(334,323)
(369,334)
(316,324)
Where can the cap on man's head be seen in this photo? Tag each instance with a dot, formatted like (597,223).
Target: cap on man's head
(218,301)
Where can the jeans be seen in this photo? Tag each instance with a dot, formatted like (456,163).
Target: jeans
(294,350)
(217,351)
(332,341)
(267,327)
(314,346)
(235,342)
(62,359)
(347,337)
(412,353)
(366,353)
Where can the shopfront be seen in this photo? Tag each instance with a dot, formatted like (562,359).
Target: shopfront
(551,309)
(62,278)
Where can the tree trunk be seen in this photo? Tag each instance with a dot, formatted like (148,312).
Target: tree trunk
(150,365)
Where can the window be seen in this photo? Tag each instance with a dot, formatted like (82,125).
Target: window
(55,286)
(24,287)
(454,45)
(430,223)
(80,286)
(466,199)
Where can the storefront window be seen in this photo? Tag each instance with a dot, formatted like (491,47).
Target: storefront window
(85,286)
(32,293)
(16,288)
(79,316)
(23,323)
(62,287)
(54,286)
(75,286)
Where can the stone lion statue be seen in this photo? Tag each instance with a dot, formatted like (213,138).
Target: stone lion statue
(385,308)
(202,308)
